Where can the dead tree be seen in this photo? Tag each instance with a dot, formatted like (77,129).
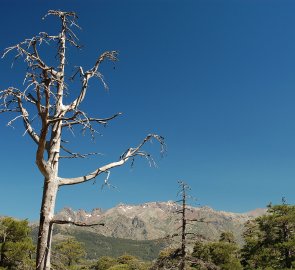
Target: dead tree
(42,100)
(185,223)
(183,193)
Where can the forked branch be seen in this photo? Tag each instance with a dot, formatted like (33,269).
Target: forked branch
(86,76)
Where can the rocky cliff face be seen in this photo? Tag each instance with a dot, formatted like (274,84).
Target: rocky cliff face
(156,220)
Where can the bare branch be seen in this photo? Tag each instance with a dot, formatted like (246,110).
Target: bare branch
(102,121)
(107,182)
(28,50)
(86,123)
(201,220)
(76,155)
(129,153)
(80,224)
(86,76)
(12,120)
(14,97)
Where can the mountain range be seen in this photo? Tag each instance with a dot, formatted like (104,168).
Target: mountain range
(157,220)
(144,230)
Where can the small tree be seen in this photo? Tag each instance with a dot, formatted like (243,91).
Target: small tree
(223,255)
(183,193)
(68,253)
(185,222)
(43,97)
(16,246)
(126,261)
(226,253)
(104,263)
(168,259)
(176,258)
(227,237)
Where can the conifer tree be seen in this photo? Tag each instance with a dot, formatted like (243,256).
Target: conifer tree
(68,253)
(16,246)
(223,255)
(270,239)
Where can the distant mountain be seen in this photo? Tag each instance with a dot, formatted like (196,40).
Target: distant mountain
(142,230)
(156,220)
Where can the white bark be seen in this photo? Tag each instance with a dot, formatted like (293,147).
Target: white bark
(45,226)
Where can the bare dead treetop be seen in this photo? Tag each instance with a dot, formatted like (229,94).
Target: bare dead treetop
(41,98)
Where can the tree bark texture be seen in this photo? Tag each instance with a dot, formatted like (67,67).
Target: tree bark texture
(45,224)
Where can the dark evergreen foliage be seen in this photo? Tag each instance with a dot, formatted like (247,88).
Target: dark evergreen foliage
(16,246)
(270,239)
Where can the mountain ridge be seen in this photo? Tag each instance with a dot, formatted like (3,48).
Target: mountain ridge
(155,220)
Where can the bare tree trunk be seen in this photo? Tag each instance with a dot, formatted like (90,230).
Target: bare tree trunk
(183,229)
(183,187)
(45,226)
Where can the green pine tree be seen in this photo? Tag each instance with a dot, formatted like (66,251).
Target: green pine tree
(104,263)
(270,239)
(223,254)
(16,246)
(68,254)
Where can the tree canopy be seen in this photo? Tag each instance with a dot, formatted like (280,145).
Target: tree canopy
(270,239)
(223,254)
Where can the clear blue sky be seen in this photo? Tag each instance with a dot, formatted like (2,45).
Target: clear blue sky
(215,78)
